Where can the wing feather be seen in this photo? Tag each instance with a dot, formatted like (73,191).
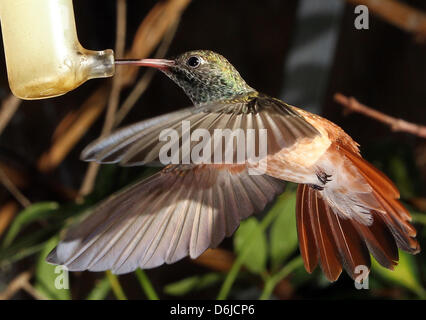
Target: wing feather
(139,144)
(180,211)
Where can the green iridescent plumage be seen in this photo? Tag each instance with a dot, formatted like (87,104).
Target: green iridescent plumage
(213,79)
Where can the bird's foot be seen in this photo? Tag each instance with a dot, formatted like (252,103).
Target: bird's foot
(323,177)
(316,187)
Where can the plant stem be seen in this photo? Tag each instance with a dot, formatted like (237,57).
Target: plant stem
(272,282)
(100,291)
(146,285)
(230,278)
(233,273)
(115,285)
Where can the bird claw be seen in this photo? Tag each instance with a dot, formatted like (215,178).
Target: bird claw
(323,177)
(316,187)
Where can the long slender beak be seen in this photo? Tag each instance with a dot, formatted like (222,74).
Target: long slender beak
(153,63)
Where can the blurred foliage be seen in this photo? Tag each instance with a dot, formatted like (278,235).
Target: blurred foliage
(51,281)
(264,260)
(283,236)
(100,290)
(36,212)
(406,274)
(191,284)
(250,243)
(266,250)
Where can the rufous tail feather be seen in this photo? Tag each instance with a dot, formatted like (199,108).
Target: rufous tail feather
(327,238)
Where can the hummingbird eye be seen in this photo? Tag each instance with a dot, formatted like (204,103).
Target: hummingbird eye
(193,61)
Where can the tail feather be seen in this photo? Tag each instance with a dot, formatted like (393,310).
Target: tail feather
(396,217)
(315,234)
(402,230)
(380,242)
(307,245)
(351,248)
(337,240)
(325,237)
(329,255)
(374,177)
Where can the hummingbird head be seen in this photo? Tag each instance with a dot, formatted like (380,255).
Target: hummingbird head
(205,76)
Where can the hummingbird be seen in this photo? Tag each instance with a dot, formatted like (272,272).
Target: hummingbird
(346,209)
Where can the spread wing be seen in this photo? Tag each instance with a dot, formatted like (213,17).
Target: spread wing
(139,144)
(180,211)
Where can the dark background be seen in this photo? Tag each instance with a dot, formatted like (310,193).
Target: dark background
(383,67)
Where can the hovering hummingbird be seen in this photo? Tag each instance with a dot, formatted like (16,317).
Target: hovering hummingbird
(346,208)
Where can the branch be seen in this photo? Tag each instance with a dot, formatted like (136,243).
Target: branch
(396,124)
(22,281)
(398,14)
(146,79)
(114,97)
(7,110)
(7,214)
(10,186)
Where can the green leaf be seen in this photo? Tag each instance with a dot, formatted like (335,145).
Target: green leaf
(194,283)
(418,217)
(405,274)
(37,211)
(401,177)
(52,281)
(250,243)
(283,236)
(101,290)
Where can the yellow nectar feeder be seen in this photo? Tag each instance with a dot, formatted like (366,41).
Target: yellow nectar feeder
(43,55)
